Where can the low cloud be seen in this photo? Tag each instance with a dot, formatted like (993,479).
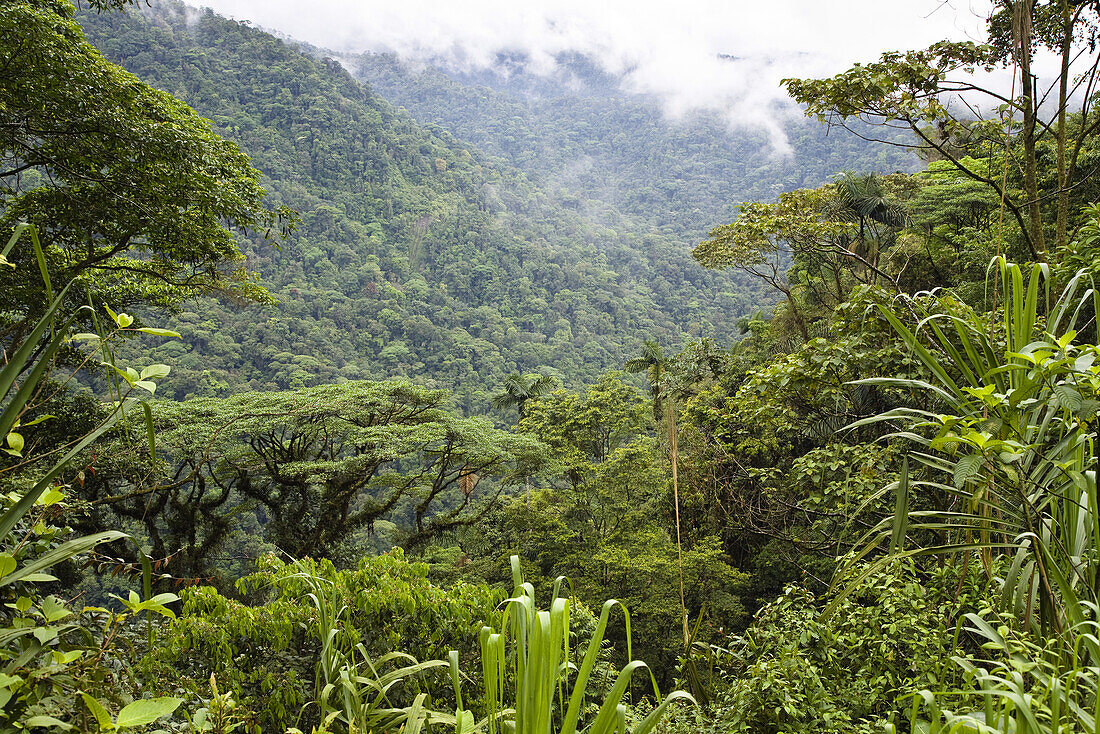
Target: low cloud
(715,55)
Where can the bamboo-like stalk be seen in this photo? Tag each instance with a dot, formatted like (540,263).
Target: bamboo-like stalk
(531,648)
(674,454)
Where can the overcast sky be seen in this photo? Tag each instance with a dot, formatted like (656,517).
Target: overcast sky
(669,48)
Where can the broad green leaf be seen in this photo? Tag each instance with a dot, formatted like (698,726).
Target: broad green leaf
(129,374)
(464,722)
(45,634)
(163,598)
(155,372)
(102,716)
(7,564)
(158,332)
(965,468)
(1068,397)
(52,496)
(64,658)
(146,711)
(54,610)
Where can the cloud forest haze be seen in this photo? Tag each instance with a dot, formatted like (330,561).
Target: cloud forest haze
(549,367)
(699,54)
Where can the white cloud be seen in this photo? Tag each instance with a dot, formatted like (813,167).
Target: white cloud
(670,49)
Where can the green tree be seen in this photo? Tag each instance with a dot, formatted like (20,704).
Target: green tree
(652,361)
(319,463)
(129,187)
(519,389)
(914,90)
(802,245)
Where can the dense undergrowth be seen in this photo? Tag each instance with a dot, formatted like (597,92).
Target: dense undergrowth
(875,512)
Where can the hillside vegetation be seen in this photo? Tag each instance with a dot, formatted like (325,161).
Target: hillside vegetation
(614,156)
(417,255)
(390,434)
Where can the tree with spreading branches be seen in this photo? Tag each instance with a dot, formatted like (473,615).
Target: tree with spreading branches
(133,193)
(938,93)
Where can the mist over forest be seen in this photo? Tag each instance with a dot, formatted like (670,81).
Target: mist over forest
(522,370)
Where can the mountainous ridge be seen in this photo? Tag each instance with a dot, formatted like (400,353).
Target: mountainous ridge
(418,255)
(599,148)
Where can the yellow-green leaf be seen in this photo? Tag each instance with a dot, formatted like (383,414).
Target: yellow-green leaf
(146,711)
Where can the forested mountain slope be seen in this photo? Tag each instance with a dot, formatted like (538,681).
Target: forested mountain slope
(417,255)
(420,256)
(606,153)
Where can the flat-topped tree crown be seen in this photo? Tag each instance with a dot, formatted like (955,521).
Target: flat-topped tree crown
(319,464)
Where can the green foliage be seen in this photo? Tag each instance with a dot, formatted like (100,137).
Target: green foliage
(833,239)
(652,361)
(1010,464)
(604,521)
(133,192)
(1083,252)
(584,430)
(800,670)
(220,714)
(136,714)
(764,467)
(1011,452)
(319,464)
(901,86)
(455,275)
(422,257)
(265,653)
(48,654)
(351,688)
(539,666)
(915,89)
(610,154)
(1025,687)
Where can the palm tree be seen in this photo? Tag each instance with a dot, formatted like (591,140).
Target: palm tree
(651,361)
(519,388)
(865,199)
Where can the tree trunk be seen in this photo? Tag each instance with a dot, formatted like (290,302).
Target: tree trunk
(674,453)
(1021,31)
(1061,240)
